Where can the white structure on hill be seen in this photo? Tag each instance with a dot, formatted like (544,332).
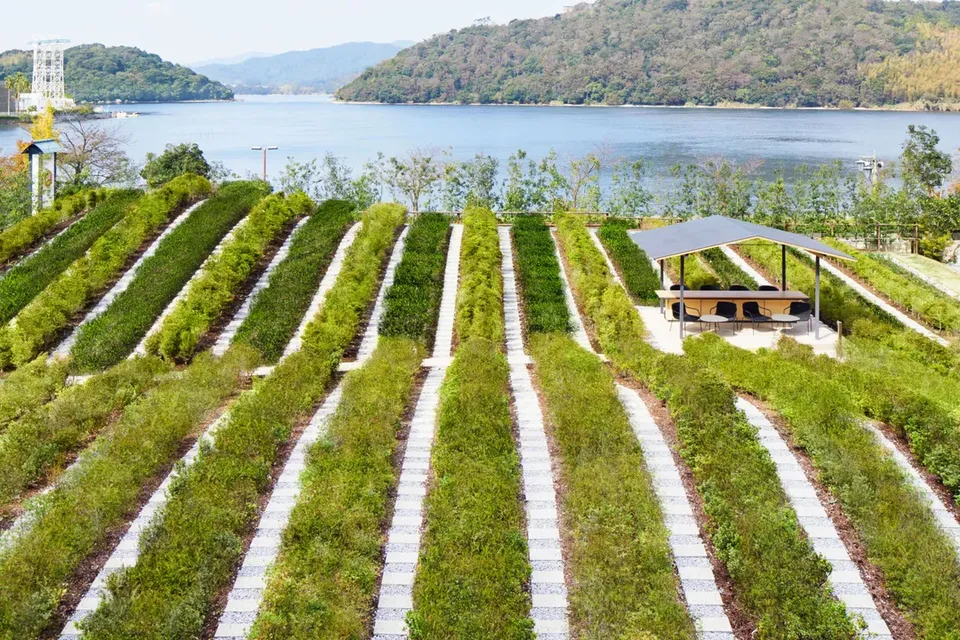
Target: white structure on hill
(48,83)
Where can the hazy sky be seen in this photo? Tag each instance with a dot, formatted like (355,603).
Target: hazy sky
(192,30)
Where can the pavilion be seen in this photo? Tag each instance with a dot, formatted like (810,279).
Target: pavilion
(695,236)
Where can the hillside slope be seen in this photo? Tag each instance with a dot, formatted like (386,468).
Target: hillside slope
(673,52)
(317,69)
(95,73)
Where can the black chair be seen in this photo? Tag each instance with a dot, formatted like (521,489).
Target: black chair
(687,316)
(678,287)
(709,287)
(739,287)
(768,287)
(801,311)
(726,310)
(755,314)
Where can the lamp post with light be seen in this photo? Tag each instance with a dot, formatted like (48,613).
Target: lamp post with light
(265,150)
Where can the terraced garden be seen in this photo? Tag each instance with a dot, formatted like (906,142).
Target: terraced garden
(266,417)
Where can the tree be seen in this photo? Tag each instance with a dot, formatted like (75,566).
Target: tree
(922,163)
(414,175)
(629,196)
(15,85)
(471,183)
(175,160)
(93,154)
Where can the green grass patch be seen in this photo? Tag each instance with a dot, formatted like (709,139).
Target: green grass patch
(538,271)
(900,534)
(29,387)
(112,336)
(276,312)
(103,489)
(480,296)
(49,314)
(943,274)
(634,264)
(217,285)
(22,283)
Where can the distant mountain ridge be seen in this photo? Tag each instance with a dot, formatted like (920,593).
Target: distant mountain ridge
(95,73)
(779,53)
(325,69)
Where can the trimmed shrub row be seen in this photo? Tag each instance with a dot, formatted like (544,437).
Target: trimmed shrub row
(110,337)
(634,265)
(729,273)
(221,277)
(545,307)
(480,296)
(920,567)
(695,272)
(18,239)
(29,387)
(103,488)
(473,568)
(325,578)
(22,283)
(277,310)
(194,545)
(46,317)
(412,303)
(41,441)
(751,524)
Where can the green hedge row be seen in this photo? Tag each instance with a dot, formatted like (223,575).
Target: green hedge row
(110,337)
(103,489)
(480,296)
(538,272)
(631,261)
(29,387)
(38,325)
(276,312)
(729,273)
(217,284)
(22,283)
(624,582)
(696,274)
(18,239)
(473,568)
(324,581)
(42,440)
(750,523)
(900,535)
(413,302)
(193,548)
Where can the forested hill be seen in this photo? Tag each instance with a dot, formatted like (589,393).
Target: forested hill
(95,73)
(674,52)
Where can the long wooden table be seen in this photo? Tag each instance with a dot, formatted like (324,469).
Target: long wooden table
(702,302)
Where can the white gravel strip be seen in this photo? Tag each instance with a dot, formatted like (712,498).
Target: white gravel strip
(845,579)
(887,307)
(933,282)
(579,331)
(329,279)
(141,349)
(697,579)
(595,234)
(944,517)
(30,255)
(245,596)
(547,585)
(122,285)
(230,331)
(735,258)
(395,599)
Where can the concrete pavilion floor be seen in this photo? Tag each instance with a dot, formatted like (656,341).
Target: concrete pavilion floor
(666,336)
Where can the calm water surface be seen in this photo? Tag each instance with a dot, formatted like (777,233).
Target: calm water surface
(306,127)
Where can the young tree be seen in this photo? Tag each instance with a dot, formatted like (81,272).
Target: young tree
(629,196)
(923,164)
(16,84)
(471,183)
(94,154)
(415,175)
(175,160)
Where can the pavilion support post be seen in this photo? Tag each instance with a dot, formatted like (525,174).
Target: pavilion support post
(816,303)
(783,267)
(683,285)
(663,284)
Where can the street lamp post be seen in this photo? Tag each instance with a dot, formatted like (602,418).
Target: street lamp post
(265,150)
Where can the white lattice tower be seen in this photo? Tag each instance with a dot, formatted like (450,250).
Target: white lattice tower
(48,83)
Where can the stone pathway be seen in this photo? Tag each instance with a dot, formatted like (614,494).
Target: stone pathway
(845,579)
(230,331)
(63,350)
(547,586)
(249,586)
(595,234)
(944,517)
(933,282)
(579,331)
(33,253)
(874,299)
(735,258)
(697,579)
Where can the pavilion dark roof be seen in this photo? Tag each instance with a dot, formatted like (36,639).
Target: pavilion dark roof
(698,235)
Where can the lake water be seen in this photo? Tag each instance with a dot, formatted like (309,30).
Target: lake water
(307,127)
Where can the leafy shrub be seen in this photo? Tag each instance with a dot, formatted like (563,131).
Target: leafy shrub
(176,160)
(103,488)
(729,273)
(29,387)
(113,335)
(633,263)
(473,562)
(277,310)
(480,296)
(218,282)
(46,317)
(23,282)
(412,303)
(538,271)
(696,274)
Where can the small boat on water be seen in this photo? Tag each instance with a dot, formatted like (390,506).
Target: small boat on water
(126,114)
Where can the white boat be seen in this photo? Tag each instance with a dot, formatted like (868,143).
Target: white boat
(126,114)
